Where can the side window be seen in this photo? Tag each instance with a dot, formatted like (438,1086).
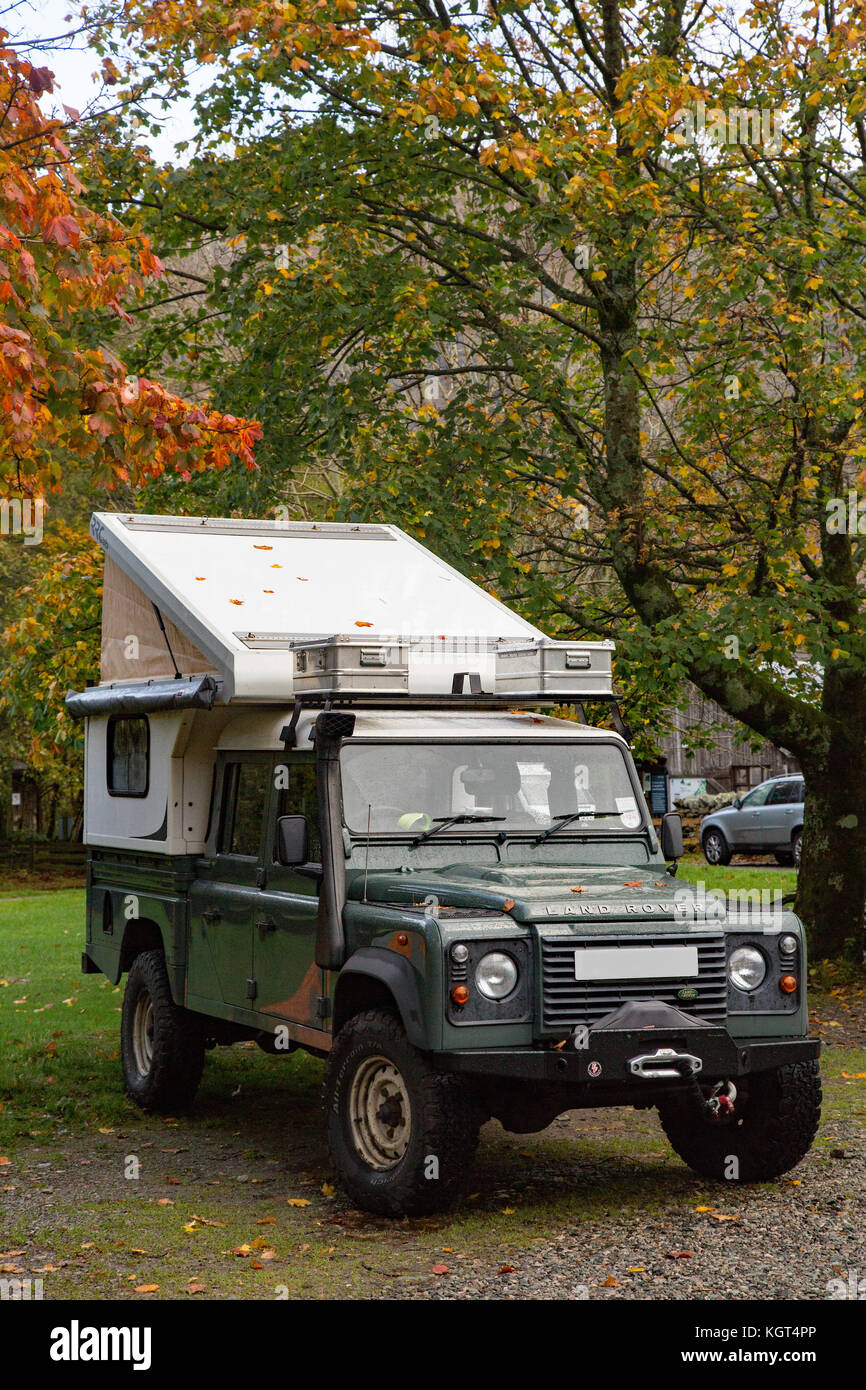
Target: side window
(297,796)
(757,797)
(128,756)
(782,794)
(245,796)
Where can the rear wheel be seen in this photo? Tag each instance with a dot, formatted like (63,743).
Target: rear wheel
(770,1131)
(783,856)
(161,1045)
(401,1135)
(716,848)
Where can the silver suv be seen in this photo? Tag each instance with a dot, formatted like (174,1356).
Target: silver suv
(767,820)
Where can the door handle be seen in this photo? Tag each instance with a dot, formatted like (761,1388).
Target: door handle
(264,928)
(210,914)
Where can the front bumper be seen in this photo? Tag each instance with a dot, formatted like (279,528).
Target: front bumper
(605,1062)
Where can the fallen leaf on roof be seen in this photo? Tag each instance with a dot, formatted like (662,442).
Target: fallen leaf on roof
(267,591)
(578,890)
(508,905)
(301,580)
(200,578)
(360,624)
(238,602)
(263,547)
(633,883)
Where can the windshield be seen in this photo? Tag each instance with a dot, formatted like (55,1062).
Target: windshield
(407,788)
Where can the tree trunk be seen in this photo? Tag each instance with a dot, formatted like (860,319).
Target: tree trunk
(831,887)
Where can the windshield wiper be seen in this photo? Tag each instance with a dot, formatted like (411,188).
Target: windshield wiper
(442,822)
(560,822)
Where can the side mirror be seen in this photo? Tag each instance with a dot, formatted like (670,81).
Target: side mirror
(293,840)
(672,836)
(737,802)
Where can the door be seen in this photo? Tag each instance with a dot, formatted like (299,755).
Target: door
(781,812)
(225,898)
(288,981)
(748,820)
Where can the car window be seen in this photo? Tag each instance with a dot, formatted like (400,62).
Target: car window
(245,795)
(757,797)
(297,795)
(783,793)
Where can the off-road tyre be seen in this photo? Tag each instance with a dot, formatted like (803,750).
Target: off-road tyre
(772,1132)
(716,848)
(434,1152)
(162,1046)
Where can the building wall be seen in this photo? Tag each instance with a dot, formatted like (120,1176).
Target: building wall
(730,762)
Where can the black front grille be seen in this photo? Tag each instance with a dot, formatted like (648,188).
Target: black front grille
(569,1002)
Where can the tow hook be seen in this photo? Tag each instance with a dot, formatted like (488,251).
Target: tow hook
(720,1105)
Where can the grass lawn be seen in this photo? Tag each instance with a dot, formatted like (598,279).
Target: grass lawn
(236,1198)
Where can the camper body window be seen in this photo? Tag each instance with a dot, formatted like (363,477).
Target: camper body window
(128,761)
(245,795)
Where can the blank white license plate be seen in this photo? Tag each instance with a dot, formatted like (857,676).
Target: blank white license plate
(636,963)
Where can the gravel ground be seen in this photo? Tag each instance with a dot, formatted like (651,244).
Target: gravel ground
(780,1241)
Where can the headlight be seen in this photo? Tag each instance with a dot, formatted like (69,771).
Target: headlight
(746,968)
(496,975)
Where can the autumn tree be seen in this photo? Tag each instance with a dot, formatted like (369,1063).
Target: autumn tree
(69,408)
(577,293)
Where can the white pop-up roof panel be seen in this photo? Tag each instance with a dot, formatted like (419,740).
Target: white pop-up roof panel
(243,591)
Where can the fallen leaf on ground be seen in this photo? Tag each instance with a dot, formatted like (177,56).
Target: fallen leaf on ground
(441,1269)
(679,1254)
(609,1283)
(145,1288)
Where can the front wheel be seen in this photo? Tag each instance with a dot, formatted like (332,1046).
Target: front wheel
(716,850)
(161,1045)
(770,1131)
(797,848)
(401,1135)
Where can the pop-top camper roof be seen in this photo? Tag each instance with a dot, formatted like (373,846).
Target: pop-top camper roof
(270,609)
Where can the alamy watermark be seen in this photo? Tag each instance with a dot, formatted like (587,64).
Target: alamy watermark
(22,516)
(737,125)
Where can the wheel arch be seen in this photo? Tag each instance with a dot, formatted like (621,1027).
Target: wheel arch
(377,978)
(139,934)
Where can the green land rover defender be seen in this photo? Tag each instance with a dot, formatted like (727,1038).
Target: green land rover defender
(457,901)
